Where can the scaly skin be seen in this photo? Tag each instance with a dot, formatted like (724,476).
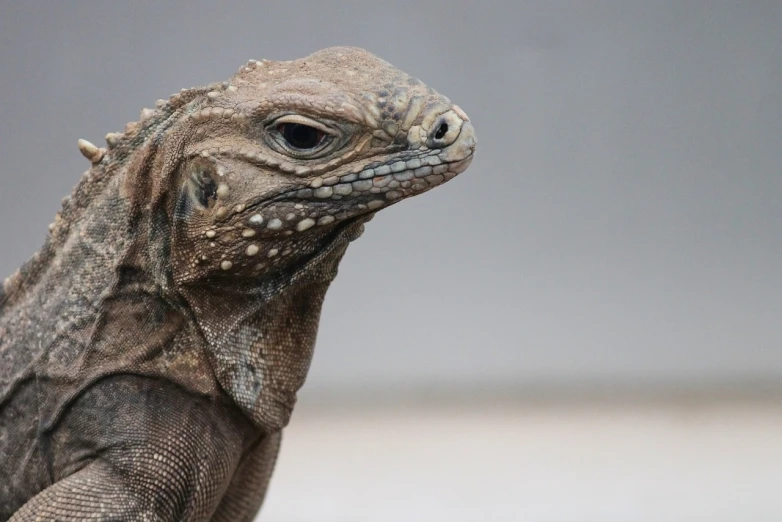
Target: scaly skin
(152,350)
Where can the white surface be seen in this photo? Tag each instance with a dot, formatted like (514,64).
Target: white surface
(550,463)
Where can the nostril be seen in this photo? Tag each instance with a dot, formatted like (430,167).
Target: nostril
(442,130)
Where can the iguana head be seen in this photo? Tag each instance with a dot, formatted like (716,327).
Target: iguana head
(287,153)
(237,202)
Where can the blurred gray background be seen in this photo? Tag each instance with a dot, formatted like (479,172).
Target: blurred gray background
(619,233)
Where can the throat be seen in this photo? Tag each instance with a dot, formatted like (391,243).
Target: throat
(260,336)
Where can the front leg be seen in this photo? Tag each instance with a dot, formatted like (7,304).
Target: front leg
(134,448)
(98,492)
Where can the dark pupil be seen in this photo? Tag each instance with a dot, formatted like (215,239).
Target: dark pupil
(441,131)
(300,136)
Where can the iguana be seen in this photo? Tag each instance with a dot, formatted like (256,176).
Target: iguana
(151,351)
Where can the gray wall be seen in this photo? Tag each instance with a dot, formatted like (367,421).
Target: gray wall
(620,224)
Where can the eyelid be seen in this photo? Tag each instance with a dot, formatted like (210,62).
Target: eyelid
(303,120)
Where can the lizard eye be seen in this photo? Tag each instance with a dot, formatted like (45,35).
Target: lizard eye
(300,136)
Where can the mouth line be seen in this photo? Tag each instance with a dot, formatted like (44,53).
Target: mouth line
(303,207)
(352,204)
(368,187)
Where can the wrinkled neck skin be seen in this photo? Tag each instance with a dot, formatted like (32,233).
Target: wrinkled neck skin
(260,333)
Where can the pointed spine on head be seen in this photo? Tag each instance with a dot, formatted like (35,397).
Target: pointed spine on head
(90,151)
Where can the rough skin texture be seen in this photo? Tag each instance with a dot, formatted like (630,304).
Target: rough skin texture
(151,351)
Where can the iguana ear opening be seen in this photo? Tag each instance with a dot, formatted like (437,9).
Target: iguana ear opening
(199,190)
